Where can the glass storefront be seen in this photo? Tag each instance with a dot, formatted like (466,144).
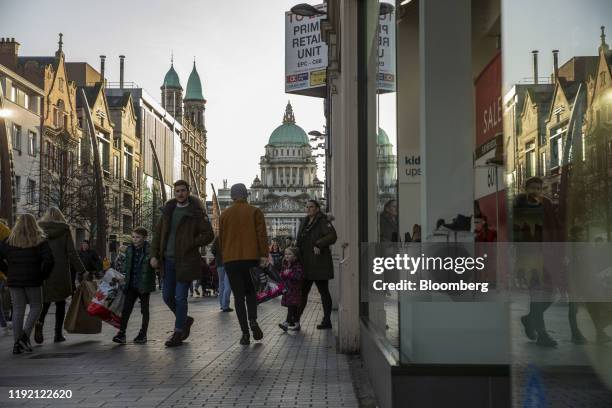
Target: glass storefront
(486,136)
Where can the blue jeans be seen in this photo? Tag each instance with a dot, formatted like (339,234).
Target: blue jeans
(224,288)
(175,295)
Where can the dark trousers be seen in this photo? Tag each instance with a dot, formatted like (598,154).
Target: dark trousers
(326,300)
(60,313)
(131,295)
(292,314)
(239,276)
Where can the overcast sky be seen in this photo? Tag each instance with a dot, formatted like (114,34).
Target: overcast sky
(571,26)
(238,46)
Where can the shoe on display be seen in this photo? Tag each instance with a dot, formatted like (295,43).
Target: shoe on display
(188,325)
(38,333)
(120,338)
(141,338)
(257,333)
(175,340)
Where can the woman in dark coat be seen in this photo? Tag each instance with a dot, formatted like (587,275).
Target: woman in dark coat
(315,236)
(388,222)
(59,285)
(26,258)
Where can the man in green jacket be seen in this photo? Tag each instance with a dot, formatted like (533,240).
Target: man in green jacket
(183,229)
(139,283)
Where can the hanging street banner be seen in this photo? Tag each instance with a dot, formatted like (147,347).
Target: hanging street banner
(305,54)
(386,53)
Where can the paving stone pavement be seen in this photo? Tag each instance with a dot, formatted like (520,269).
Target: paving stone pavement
(210,370)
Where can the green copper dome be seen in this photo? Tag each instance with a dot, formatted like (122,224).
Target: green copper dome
(288,133)
(383,138)
(194,86)
(171,80)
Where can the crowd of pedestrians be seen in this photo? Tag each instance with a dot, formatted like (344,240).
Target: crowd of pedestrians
(41,267)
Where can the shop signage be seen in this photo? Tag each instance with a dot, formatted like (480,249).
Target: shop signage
(488,175)
(410,167)
(305,54)
(386,53)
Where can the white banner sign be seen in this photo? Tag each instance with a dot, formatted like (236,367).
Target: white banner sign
(305,52)
(386,52)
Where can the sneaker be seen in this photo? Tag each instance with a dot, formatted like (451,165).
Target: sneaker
(141,338)
(188,325)
(257,333)
(17,348)
(245,339)
(120,338)
(544,340)
(284,326)
(175,340)
(59,337)
(38,333)
(24,341)
(325,325)
(530,331)
(295,327)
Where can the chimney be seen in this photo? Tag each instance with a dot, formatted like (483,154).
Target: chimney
(535,66)
(9,51)
(102,61)
(556,63)
(121,64)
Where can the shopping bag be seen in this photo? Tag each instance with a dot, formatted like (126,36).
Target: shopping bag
(107,302)
(266,286)
(77,319)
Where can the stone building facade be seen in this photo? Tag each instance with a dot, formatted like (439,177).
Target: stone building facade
(288,178)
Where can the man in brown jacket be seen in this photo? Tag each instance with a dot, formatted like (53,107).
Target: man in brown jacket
(243,244)
(184,228)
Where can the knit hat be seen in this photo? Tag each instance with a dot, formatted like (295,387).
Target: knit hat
(239,191)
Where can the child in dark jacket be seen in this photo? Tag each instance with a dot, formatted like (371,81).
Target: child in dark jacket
(292,275)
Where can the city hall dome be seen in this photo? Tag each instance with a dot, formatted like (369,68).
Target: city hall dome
(288,133)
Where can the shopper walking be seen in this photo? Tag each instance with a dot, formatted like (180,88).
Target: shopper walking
(27,259)
(244,244)
(90,259)
(315,236)
(139,283)
(183,229)
(225,290)
(292,275)
(5,231)
(60,284)
(276,256)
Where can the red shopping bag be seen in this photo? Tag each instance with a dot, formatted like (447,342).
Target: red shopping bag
(107,303)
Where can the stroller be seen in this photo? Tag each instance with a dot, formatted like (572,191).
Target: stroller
(209,279)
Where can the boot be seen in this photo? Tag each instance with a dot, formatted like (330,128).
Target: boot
(141,338)
(38,333)
(59,337)
(175,340)
(188,325)
(120,338)
(257,333)
(325,325)
(544,339)
(530,331)
(245,339)
(17,348)
(24,341)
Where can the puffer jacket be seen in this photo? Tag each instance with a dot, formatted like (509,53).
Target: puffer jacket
(26,267)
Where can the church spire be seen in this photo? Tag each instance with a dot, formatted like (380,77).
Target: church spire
(289,117)
(60,45)
(603,45)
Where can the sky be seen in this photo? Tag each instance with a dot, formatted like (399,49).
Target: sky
(571,26)
(238,48)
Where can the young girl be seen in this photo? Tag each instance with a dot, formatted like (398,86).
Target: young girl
(292,275)
(28,261)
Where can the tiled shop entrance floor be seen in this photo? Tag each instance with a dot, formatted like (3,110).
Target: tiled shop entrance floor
(210,370)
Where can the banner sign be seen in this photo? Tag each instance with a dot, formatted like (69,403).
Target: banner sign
(386,53)
(305,52)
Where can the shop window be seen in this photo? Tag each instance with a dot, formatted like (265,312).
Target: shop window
(16,136)
(530,160)
(32,143)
